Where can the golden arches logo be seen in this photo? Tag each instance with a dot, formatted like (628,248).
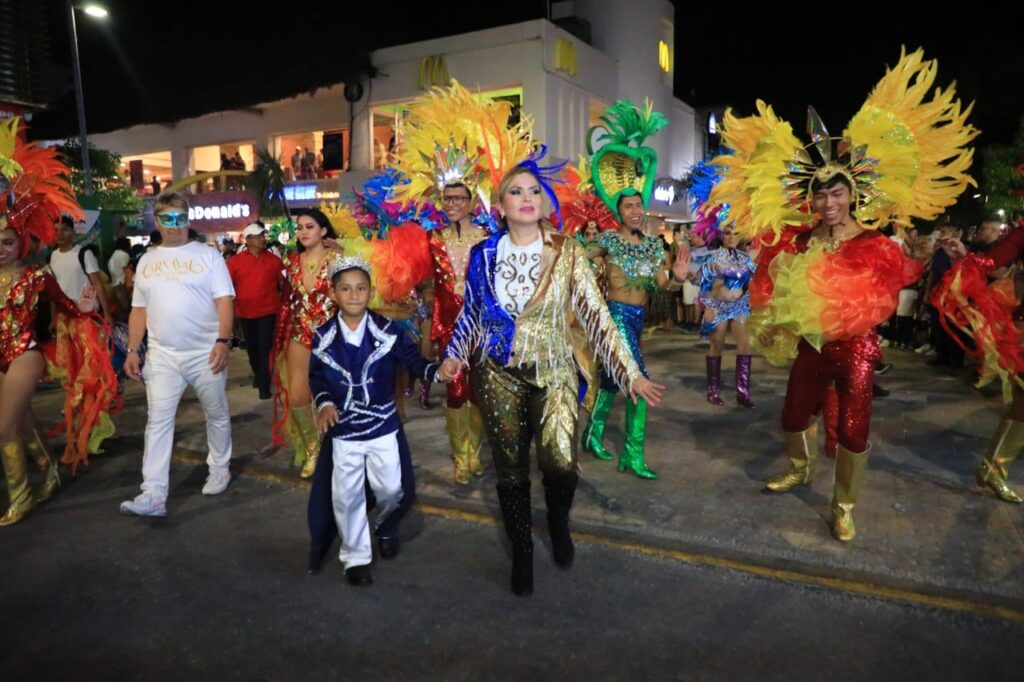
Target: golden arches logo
(663,56)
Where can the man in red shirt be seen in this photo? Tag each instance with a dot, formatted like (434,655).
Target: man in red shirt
(256,274)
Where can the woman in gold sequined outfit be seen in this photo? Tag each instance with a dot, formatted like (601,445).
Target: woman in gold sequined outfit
(522,285)
(307,305)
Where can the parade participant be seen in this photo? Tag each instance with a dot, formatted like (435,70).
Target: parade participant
(256,275)
(183,302)
(74,270)
(399,259)
(724,283)
(826,277)
(306,305)
(356,356)
(723,278)
(989,314)
(635,263)
(439,154)
(513,333)
(34,196)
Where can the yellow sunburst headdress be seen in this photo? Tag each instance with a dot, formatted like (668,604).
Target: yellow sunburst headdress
(903,156)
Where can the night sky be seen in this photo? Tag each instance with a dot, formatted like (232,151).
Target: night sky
(162,61)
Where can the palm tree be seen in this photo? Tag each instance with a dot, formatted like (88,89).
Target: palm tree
(267,181)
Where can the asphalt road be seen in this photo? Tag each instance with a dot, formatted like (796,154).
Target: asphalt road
(217,591)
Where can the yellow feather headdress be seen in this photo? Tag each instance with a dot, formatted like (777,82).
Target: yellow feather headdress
(905,157)
(456,136)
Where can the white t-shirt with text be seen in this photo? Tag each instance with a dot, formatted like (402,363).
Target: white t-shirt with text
(177,287)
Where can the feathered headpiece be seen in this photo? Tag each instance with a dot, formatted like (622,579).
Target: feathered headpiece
(34,190)
(624,166)
(702,179)
(377,208)
(904,157)
(457,137)
(580,206)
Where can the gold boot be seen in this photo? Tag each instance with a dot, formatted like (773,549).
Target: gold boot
(850,468)
(35,447)
(1006,444)
(474,438)
(296,436)
(457,425)
(13,455)
(310,439)
(802,450)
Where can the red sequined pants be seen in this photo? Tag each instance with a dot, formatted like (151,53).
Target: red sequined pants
(458,389)
(850,365)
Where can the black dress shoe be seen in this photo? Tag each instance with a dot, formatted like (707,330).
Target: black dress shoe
(359,575)
(878,392)
(266,395)
(388,547)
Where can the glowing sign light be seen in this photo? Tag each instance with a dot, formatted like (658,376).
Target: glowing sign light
(663,58)
(227,211)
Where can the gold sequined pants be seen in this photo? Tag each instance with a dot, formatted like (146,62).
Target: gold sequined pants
(520,405)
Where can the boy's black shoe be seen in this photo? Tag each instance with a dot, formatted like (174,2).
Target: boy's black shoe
(388,547)
(359,575)
(878,392)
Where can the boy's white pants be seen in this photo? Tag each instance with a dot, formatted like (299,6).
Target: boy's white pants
(355,461)
(166,375)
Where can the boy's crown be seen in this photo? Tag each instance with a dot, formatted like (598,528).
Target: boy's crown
(347,263)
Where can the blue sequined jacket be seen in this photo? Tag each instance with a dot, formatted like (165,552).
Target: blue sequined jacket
(360,380)
(540,335)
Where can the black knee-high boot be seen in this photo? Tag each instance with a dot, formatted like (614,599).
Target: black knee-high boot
(559,495)
(515,508)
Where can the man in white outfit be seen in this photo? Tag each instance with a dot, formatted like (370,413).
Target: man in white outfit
(184,299)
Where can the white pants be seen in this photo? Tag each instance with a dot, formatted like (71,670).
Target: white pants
(166,374)
(354,462)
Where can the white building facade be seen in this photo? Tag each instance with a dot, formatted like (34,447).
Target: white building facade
(559,80)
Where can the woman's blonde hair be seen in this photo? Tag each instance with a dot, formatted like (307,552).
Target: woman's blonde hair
(507,181)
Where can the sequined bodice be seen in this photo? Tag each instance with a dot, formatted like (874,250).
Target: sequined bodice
(309,309)
(638,262)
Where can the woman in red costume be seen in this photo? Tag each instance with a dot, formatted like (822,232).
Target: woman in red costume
(307,305)
(34,195)
(825,277)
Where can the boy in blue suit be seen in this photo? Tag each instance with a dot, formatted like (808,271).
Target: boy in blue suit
(356,355)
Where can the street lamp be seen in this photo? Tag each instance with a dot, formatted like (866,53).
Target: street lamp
(99,13)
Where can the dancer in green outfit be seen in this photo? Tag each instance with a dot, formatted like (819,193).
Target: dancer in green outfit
(623,176)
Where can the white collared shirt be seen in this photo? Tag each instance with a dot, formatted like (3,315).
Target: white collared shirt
(354,338)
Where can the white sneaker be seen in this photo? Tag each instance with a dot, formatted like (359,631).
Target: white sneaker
(145,504)
(923,349)
(217,481)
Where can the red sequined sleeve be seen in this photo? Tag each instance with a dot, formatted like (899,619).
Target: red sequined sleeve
(57,296)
